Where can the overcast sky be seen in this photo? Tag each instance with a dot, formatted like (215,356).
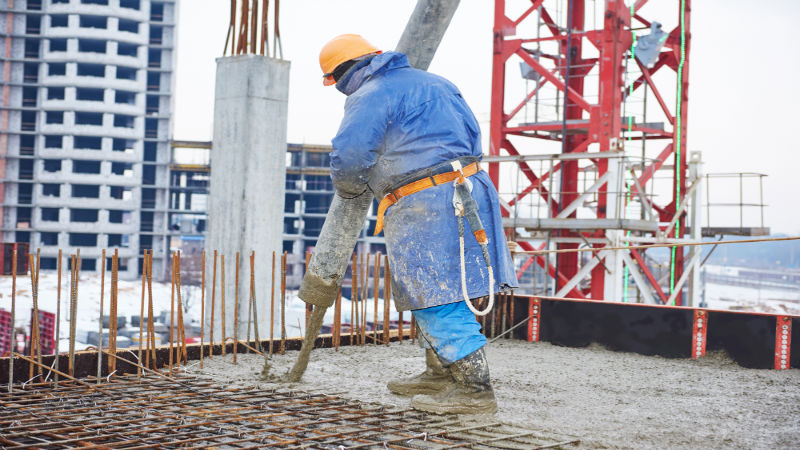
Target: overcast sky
(743,71)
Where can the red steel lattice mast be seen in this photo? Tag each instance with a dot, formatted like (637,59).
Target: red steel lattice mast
(593,72)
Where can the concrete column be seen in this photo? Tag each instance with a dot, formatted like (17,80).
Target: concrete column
(248,178)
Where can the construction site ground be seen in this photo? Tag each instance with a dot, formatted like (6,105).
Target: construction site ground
(607,399)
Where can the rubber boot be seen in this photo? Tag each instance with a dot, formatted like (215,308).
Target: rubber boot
(471,393)
(434,379)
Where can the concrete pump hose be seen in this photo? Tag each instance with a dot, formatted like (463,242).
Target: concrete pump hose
(336,241)
(323,278)
(312,331)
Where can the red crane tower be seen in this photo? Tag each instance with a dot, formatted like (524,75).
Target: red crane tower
(592,74)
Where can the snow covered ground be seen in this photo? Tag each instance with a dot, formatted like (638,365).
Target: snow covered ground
(776,301)
(742,298)
(129,303)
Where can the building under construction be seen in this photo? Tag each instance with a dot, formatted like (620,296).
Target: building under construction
(606,343)
(308,195)
(86,112)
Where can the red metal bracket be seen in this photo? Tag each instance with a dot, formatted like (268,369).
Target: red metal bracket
(699,330)
(783,342)
(535,311)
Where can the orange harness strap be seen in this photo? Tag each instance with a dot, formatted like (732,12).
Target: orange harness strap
(411,188)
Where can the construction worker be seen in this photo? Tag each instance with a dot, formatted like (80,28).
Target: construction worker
(408,136)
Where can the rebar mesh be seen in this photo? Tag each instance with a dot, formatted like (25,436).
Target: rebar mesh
(194,413)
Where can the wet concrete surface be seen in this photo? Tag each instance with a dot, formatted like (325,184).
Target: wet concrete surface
(608,399)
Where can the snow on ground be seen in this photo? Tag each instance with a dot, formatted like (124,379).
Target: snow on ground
(129,303)
(607,399)
(129,299)
(775,301)
(767,300)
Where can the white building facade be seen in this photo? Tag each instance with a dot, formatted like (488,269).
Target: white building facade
(85,127)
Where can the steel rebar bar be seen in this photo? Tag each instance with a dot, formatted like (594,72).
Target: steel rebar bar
(364,294)
(151,335)
(249,304)
(13,343)
(36,339)
(353,294)
(182,353)
(213,297)
(337,320)
(222,301)
(377,279)
(141,311)
(171,312)
(387,298)
(253,300)
(100,317)
(202,306)
(114,308)
(283,303)
(76,272)
(272,307)
(236,312)
(58,320)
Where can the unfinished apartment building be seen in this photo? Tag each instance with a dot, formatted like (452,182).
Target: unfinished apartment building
(84,144)
(308,195)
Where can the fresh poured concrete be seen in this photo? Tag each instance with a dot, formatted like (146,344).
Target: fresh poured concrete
(607,399)
(248,176)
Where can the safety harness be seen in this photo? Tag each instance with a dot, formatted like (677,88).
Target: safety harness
(465,207)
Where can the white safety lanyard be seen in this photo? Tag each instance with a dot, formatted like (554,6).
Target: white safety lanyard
(458,206)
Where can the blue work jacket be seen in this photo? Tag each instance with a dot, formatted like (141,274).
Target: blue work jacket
(400,121)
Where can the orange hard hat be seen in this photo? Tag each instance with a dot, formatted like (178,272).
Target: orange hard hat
(341,49)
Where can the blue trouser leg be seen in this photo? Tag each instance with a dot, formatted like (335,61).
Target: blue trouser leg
(451,330)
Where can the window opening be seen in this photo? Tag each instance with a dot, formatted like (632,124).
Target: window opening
(100,22)
(51,190)
(91,70)
(126,49)
(83,215)
(130,26)
(126,73)
(56,69)
(83,240)
(88,118)
(124,121)
(125,97)
(86,191)
(58,20)
(88,143)
(89,94)
(54,117)
(58,45)
(50,214)
(52,165)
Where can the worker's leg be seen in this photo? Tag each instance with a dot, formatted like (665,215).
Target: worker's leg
(434,379)
(451,330)
(451,327)
(455,335)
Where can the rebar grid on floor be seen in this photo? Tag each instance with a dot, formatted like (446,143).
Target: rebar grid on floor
(194,413)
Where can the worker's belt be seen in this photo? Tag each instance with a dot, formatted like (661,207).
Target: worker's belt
(415,186)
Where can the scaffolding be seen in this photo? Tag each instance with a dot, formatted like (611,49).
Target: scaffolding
(588,148)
